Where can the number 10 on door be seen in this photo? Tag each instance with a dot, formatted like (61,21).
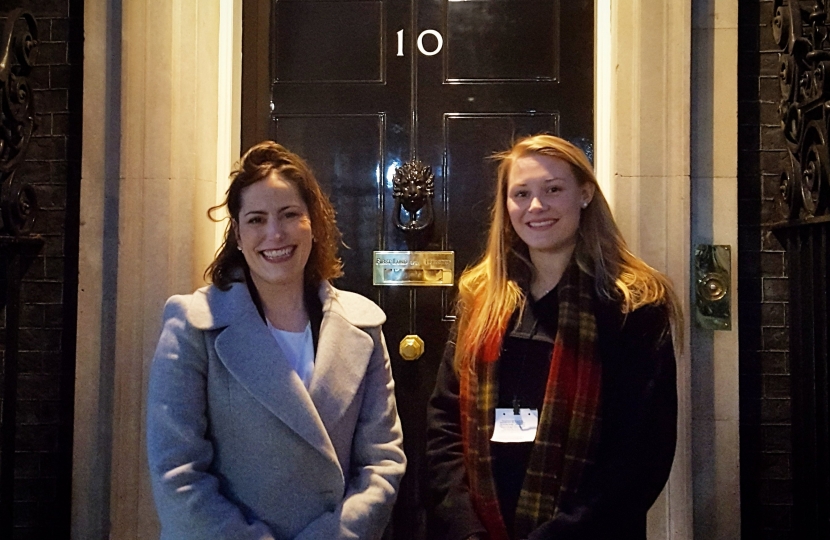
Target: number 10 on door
(423,50)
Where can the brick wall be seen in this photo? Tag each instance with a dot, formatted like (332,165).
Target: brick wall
(49,291)
(766,481)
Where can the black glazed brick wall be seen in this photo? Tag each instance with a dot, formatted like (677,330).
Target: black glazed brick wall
(766,480)
(49,290)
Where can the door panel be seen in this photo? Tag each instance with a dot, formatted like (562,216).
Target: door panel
(485,39)
(328,49)
(344,152)
(343,98)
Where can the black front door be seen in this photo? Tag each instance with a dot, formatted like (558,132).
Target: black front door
(360,87)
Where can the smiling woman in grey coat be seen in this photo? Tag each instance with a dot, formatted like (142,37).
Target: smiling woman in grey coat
(271,412)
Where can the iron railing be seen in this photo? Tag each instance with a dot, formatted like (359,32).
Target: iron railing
(802,31)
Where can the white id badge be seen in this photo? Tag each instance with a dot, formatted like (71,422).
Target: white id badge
(515,427)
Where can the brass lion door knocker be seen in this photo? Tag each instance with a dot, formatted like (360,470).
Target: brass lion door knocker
(413,187)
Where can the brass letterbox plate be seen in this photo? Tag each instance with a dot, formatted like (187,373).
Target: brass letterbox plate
(413,268)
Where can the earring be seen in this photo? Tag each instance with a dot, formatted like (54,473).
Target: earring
(584,204)
(239,248)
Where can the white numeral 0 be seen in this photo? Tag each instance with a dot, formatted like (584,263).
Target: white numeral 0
(421,42)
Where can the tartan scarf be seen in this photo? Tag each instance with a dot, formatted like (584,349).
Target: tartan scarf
(569,424)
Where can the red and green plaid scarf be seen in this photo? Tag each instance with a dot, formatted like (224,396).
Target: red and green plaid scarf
(569,425)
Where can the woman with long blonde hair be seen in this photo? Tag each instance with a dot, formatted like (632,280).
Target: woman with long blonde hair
(554,413)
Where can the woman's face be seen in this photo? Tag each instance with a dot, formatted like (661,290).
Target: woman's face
(274,232)
(545,202)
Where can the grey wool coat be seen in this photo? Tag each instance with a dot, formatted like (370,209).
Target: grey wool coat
(239,449)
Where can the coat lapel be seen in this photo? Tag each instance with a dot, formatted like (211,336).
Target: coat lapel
(249,352)
(343,353)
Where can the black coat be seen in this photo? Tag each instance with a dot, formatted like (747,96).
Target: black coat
(638,434)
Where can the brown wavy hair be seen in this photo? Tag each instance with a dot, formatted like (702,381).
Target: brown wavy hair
(489,292)
(258,163)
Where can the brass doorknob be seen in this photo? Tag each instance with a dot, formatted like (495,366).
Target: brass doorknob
(713,286)
(411,347)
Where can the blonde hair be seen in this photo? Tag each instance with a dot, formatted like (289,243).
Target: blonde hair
(489,292)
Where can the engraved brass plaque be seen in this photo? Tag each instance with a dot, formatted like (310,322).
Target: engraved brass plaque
(413,268)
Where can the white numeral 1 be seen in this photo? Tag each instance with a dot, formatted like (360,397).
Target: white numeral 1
(400,42)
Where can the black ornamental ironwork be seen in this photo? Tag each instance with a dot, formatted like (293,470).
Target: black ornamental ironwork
(18,48)
(18,206)
(802,31)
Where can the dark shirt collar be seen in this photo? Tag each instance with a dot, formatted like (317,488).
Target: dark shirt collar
(538,319)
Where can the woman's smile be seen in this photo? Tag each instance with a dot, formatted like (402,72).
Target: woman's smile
(278,255)
(541,224)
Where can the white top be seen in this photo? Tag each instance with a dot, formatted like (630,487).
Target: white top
(298,349)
